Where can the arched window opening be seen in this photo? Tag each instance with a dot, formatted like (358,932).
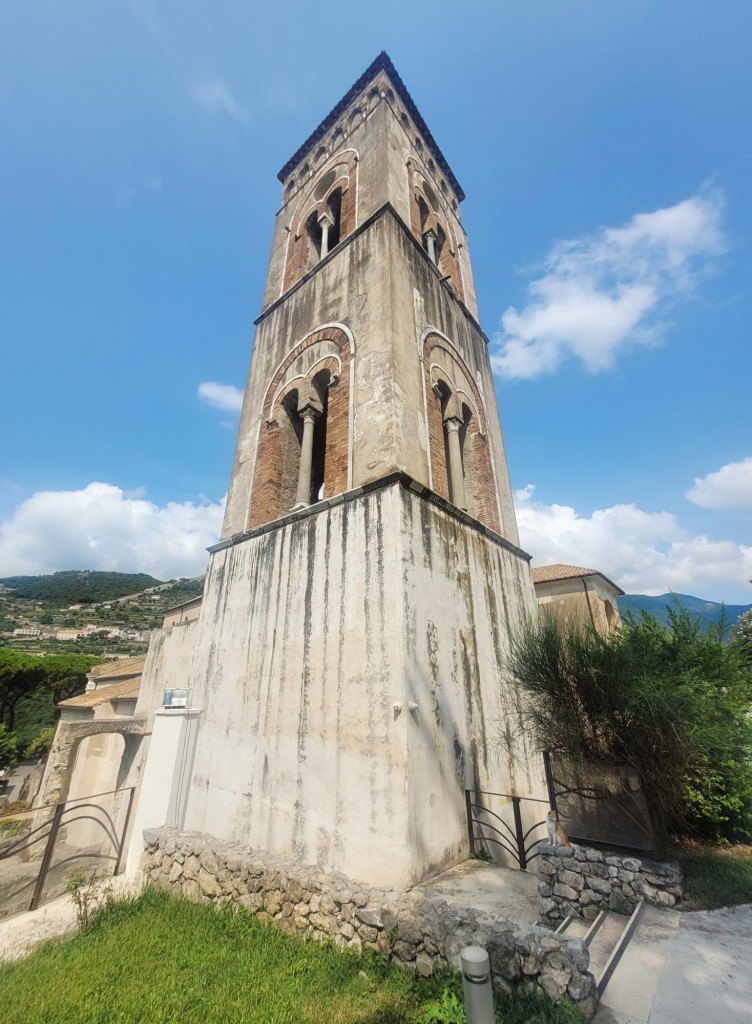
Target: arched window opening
(334,207)
(318,455)
(466,418)
(290,426)
(315,233)
(442,392)
(424,214)
(440,242)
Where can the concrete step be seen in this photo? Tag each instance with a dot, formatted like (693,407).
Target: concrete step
(607,938)
(630,994)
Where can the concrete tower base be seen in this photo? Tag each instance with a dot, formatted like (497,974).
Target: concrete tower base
(349,663)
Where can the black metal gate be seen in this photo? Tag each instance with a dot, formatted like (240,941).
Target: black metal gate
(600,805)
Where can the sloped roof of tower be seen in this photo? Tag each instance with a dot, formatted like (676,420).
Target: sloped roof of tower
(382,63)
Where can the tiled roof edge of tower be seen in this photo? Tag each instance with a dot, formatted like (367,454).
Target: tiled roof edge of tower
(558,572)
(382,63)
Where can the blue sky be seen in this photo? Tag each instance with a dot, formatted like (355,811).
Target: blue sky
(606,153)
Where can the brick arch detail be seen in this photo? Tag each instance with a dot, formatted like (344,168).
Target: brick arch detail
(278,455)
(449,264)
(299,259)
(480,483)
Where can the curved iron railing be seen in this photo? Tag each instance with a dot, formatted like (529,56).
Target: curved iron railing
(513,840)
(69,813)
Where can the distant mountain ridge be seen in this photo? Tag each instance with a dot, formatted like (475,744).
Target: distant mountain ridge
(708,611)
(77,586)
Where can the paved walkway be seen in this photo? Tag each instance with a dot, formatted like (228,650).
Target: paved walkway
(488,888)
(684,968)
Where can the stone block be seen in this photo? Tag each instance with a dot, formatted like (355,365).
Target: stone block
(423,965)
(554,982)
(595,856)
(618,904)
(208,884)
(631,864)
(404,951)
(408,930)
(370,916)
(208,861)
(572,879)
(547,906)
(565,892)
(601,885)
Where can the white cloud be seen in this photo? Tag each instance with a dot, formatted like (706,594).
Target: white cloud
(226,397)
(644,552)
(101,527)
(604,291)
(213,95)
(729,487)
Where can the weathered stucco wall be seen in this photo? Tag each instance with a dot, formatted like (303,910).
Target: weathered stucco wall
(569,600)
(315,638)
(462,594)
(168,665)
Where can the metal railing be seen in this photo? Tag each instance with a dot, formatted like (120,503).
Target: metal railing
(95,830)
(492,828)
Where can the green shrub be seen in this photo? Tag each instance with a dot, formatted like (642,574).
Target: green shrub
(672,703)
(40,746)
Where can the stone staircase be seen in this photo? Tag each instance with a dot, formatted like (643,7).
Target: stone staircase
(606,938)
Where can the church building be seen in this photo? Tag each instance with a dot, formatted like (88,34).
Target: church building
(343,680)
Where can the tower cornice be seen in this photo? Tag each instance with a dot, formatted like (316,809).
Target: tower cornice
(382,64)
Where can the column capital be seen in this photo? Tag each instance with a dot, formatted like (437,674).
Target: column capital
(309,411)
(325,220)
(452,423)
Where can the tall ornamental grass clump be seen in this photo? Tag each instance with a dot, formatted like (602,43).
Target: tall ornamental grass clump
(672,703)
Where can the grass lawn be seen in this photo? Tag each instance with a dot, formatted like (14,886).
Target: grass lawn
(715,876)
(160,960)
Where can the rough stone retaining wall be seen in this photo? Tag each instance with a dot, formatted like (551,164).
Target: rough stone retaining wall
(419,934)
(582,881)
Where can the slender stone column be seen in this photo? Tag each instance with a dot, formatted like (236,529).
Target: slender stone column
(431,246)
(456,475)
(303,496)
(326,224)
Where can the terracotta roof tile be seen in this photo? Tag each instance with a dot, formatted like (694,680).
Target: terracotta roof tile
(382,63)
(104,694)
(123,668)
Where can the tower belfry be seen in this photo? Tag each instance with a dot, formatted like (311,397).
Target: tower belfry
(347,666)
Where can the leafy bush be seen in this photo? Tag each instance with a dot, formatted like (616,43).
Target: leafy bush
(12,827)
(40,746)
(671,703)
(8,748)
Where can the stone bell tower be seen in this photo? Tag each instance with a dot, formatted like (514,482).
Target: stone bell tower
(347,666)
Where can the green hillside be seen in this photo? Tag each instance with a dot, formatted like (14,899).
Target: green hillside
(708,611)
(73,586)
